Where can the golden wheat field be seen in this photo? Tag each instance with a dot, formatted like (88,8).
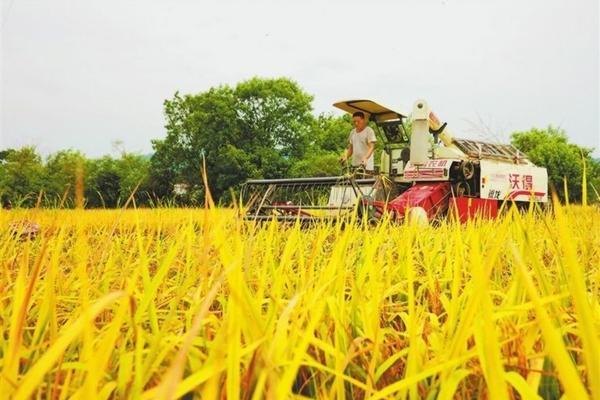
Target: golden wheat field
(167,303)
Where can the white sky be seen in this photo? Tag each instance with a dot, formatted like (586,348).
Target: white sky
(83,74)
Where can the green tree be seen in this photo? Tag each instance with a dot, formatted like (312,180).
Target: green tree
(102,183)
(328,140)
(60,173)
(110,181)
(162,170)
(323,164)
(259,129)
(21,176)
(330,133)
(197,125)
(550,148)
(133,170)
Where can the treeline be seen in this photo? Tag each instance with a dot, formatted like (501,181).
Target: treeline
(26,180)
(260,128)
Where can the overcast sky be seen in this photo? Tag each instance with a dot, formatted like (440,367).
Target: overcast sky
(84,74)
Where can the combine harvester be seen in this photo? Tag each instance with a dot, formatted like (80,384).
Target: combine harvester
(425,175)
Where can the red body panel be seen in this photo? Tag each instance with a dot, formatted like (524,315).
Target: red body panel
(435,198)
(470,207)
(432,197)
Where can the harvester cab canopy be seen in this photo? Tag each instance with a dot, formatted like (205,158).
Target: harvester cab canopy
(388,120)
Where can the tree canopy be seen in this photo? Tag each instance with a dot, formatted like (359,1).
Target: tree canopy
(260,128)
(550,148)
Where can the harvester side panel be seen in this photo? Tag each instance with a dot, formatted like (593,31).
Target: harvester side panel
(467,208)
(432,170)
(519,182)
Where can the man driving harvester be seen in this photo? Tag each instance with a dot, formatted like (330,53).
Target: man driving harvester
(361,144)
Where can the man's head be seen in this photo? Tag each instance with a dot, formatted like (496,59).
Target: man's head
(359,121)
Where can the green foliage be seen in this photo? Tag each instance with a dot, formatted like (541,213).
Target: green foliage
(330,133)
(550,148)
(274,113)
(21,176)
(60,172)
(328,141)
(325,164)
(258,128)
(103,183)
(108,181)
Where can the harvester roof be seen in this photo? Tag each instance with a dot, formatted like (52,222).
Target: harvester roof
(374,111)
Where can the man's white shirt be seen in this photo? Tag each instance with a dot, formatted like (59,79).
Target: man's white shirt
(360,146)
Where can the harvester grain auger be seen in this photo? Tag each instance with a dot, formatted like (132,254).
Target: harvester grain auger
(425,172)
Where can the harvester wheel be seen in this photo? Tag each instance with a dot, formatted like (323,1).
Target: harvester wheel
(468,170)
(462,188)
